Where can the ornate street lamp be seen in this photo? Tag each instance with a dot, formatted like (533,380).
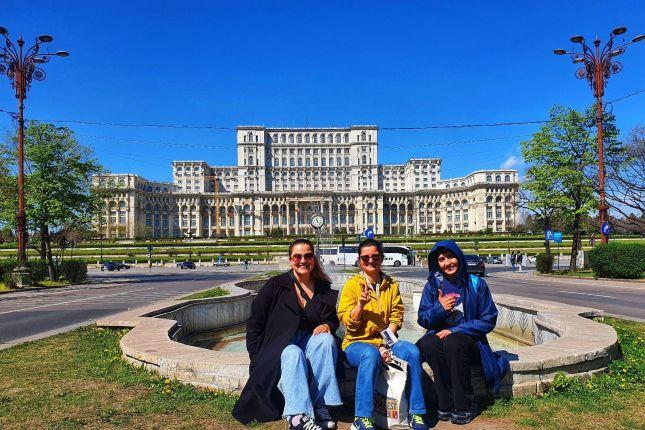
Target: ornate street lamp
(21,67)
(597,66)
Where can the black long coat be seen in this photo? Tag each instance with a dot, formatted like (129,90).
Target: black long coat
(275,315)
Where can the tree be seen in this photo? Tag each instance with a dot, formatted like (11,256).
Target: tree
(562,173)
(58,183)
(625,179)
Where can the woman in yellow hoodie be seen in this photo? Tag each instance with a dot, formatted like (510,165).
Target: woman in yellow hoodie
(371,308)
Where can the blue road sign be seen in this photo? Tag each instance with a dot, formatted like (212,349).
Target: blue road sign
(369,233)
(606,228)
(548,235)
(557,236)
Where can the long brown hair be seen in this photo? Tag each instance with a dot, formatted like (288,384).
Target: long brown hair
(317,273)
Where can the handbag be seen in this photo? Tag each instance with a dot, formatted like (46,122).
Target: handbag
(390,400)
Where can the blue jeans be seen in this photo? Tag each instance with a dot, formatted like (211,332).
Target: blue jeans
(368,360)
(308,373)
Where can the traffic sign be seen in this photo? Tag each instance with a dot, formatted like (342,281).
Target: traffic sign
(369,233)
(606,228)
(557,236)
(548,234)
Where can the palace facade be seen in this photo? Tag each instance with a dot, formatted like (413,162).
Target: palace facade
(284,175)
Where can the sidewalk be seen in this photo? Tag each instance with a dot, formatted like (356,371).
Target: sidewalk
(532,274)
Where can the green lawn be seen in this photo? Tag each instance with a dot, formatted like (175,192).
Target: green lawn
(78,380)
(613,400)
(213,292)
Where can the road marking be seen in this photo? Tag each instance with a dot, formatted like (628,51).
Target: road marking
(588,294)
(72,301)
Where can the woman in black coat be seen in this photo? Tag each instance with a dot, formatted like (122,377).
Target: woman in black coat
(292,348)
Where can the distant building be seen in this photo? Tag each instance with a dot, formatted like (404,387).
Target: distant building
(283,175)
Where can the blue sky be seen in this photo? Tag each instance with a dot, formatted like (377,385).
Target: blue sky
(316,63)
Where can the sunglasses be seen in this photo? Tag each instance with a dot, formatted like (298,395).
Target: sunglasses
(298,257)
(367,258)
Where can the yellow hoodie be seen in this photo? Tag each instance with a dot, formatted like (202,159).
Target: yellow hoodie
(377,314)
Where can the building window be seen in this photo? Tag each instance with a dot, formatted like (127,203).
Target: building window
(307,139)
(346,137)
(322,138)
(283,138)
(489,178)
(299,162)
(498,178)
(507,178)
(337,137)
(291,138)
(292,162)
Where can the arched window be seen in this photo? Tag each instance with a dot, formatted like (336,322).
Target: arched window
(364,159)
(331,162)
(489,178)
(489,199)
(346,137)
(276,162)
(315,161)
(299,138)
(307,139)
(283,138)
(292,162)
(299,161)
(308,162)
(507,178)
(498,178)
(322,138)
(363,136)
(284,162)
(291,138)
(323,162)
(250,160)
(337,137)
(346,161)
(274,139)
(315,138)
(121,182)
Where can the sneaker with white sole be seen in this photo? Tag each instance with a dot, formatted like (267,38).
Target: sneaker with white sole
(362,423)
(324,419)
(302,422)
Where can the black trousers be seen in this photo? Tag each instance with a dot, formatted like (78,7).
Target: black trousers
(451,361)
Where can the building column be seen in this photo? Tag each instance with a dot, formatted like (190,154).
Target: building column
(297,208)
(288,223)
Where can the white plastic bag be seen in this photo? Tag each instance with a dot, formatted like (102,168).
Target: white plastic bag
(390,401)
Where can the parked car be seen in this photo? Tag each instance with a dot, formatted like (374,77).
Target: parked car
(186,265)
(495,259)
(221,263)
(475,265)
(113,265)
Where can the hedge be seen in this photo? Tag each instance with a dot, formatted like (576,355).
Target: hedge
(74,271)
(618,260)
(544,263)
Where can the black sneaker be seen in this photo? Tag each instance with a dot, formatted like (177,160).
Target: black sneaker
(464,417)
(302,422)
(444,415)
(323,418)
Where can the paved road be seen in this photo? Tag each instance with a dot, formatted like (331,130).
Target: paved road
(33,315)
(614,297)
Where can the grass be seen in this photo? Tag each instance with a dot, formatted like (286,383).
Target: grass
(575,273)
(3,287)
(266,275)
(78,380)
(213,292)
(612,400)
(53,284)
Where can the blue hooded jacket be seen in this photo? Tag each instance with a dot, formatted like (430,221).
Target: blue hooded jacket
(480,313)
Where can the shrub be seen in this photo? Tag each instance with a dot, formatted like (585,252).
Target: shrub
(544,263)
(38,269)
(618,260)
(7,266)
(7,279)
(74,271)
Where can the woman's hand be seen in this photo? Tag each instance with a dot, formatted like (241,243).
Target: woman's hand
(444,334)
(448,302)
(394,328)
(386,355)
(322,328)
(364,297)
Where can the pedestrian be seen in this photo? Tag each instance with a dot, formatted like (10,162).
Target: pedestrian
(513,260)
(457,310)
(370,304)
(246,264)
(293,351)
(518,260)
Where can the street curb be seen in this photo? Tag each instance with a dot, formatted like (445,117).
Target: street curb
(628,281)
(67,287)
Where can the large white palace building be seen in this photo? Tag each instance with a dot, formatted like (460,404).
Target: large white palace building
(284,175)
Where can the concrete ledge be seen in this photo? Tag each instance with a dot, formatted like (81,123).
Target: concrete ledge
(564,340)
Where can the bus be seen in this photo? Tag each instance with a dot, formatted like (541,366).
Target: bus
(395,255)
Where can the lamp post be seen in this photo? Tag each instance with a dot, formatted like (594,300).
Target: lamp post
(21,66)
(597,67)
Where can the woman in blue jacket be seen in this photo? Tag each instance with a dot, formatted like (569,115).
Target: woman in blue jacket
(458,311)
